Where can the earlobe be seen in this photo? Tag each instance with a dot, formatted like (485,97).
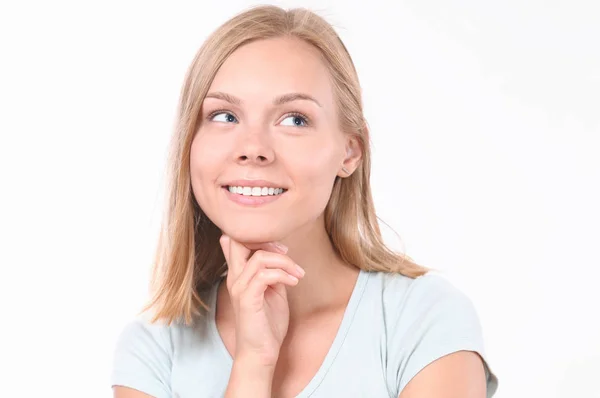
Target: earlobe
(353,156)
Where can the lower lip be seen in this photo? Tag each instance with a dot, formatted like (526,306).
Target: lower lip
(251,200)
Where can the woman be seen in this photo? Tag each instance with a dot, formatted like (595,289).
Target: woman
(270,195)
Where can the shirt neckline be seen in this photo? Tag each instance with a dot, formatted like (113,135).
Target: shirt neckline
(338,341)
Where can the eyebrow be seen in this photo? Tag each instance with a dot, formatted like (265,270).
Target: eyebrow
(282,99)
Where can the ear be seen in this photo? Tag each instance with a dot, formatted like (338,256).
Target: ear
(353,156)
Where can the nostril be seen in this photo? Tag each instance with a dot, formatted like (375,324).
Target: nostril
(253,158)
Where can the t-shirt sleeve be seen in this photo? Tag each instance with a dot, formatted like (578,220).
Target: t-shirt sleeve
(143,358)
(436,319)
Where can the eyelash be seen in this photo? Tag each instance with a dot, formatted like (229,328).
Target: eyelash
(295,114)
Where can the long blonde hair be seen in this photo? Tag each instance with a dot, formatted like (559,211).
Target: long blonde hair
(189,259)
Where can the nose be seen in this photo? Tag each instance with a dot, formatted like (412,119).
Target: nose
(254,148)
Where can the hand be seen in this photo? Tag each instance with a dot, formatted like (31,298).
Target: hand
(257,288)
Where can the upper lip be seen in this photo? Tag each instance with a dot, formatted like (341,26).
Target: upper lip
(252,183)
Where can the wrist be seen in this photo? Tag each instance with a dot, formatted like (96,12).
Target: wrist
(250,377)
(262,362)
(256,367)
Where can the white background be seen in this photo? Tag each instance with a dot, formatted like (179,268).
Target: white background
(485,125)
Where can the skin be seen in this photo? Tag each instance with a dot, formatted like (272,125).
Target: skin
(286,288)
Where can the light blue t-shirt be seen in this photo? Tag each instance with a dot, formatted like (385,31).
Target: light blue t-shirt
(392,328)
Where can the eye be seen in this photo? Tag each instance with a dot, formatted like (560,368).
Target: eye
(223,117)
(295,120)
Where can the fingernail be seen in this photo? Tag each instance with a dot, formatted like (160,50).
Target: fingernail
(281,247)
(300,270)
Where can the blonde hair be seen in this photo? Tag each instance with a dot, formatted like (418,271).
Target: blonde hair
(189,259)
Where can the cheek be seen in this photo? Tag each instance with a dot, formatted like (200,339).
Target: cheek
(315,160)
(204,168)
(205,157)
(314,169)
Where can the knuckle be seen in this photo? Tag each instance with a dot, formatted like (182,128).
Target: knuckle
(263,274)
(260,256)
(254,263)
(288,263)
(235,290)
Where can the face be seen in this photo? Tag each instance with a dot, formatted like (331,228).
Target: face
(269,146)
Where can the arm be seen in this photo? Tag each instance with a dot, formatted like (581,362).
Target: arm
(124,392)
(142,361)
(435,344)
(460,374)
(257,285)
(246,376)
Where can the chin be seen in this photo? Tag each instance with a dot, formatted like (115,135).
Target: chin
(254,234)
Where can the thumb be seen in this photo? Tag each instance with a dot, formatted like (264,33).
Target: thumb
(225,242)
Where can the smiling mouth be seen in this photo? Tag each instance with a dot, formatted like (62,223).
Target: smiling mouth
(255,191)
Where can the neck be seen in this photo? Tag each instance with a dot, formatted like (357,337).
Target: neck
(328,281)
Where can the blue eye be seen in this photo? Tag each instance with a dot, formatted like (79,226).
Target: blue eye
(297,120)
(226,117)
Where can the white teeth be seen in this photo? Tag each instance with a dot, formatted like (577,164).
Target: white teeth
(255,191)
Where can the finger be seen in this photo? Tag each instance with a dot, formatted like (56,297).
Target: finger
(224,240)
(262,280)
(236,256)
(275,247)
(265,260)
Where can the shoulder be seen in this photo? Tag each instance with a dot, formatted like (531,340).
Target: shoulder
(426,318)
(142,338)
(394,283)
(143,334)
(144,354)
(142,357)
(411,297)
(431,303)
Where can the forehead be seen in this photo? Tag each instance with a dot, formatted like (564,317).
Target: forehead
(264,69)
